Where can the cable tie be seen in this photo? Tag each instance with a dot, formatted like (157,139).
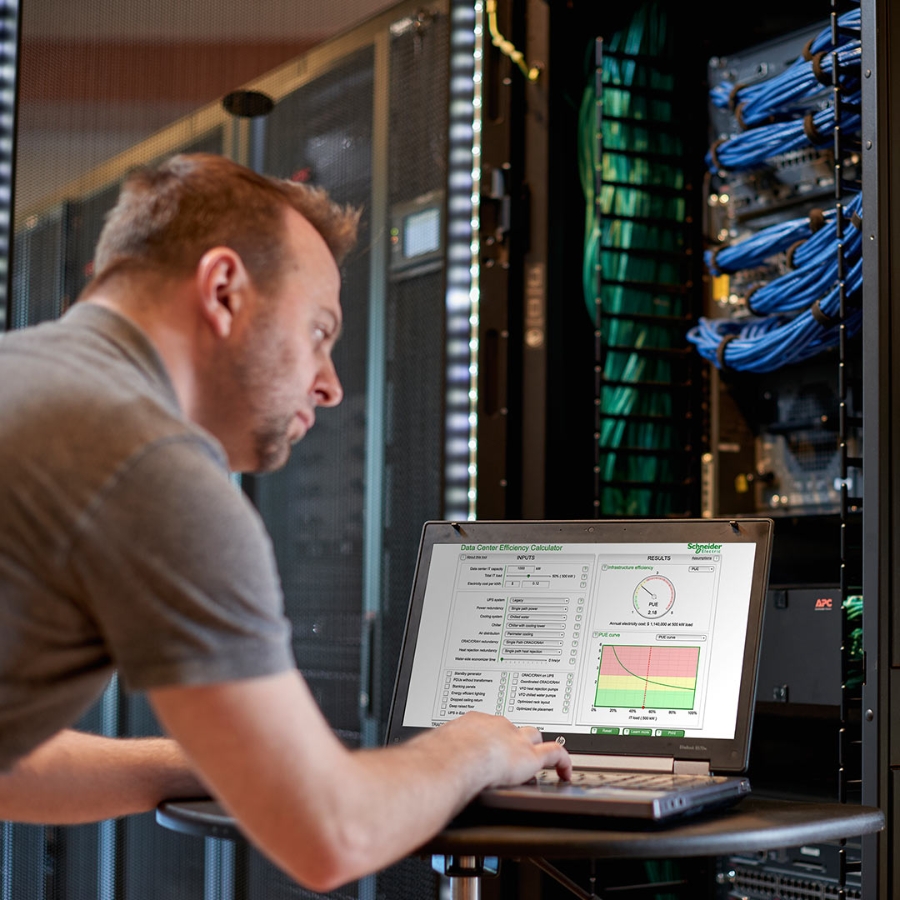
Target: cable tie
(713,260)
(720,350)
(792,250)
(816,220)
(732,97)
(750,293)
(809,129)
(713,151)
(807,50)
(822,318)
(855,220)
(821,76)
(739,116)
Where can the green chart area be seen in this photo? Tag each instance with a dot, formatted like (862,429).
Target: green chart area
(647,677)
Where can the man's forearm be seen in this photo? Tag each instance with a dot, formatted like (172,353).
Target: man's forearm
(327,815)
(75,777)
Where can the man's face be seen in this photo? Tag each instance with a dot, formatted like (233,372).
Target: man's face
(282,368)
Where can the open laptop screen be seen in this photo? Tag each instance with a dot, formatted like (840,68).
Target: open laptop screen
(612,630)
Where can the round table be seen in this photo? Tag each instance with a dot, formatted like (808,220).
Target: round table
(754,824)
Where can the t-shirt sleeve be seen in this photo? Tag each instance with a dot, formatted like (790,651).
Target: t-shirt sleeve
(179,573)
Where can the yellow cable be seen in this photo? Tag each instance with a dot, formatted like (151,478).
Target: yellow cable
(507,48)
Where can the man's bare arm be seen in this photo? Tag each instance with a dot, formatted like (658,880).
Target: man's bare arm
(324,814)
(76,777)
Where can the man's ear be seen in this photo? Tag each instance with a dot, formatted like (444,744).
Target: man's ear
(222,282)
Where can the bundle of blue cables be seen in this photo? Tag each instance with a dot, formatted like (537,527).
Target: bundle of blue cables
(799,289)
(809,242)
(823,242)
(754,147)
(797,315)
(766,344)
(755,250)
(804,81)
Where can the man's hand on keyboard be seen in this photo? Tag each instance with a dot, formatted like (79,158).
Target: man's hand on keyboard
(513,754)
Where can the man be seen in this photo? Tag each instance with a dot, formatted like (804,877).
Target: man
(202,344)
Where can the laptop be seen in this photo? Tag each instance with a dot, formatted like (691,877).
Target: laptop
(634,643)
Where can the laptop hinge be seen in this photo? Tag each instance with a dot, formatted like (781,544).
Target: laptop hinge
(691,767)
(628,763)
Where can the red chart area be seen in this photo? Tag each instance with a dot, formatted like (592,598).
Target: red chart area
(641,676)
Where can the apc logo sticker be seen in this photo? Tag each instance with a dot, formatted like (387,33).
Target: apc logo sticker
(824,603)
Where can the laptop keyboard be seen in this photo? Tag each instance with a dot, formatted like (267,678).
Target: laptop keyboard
(646,781)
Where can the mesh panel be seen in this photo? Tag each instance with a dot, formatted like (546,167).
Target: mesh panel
(53,253)
(313,507)
(419,85)
(141,844)
(414,371)
(83,858)
(23,861)
(37,276)
(413,450)
(414,333)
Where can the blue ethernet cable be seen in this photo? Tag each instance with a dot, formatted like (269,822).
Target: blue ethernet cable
(752,148)
(822,243)
(805,238)
(803,84)
(799,289)
(801,78)
(756,249)
(767,344)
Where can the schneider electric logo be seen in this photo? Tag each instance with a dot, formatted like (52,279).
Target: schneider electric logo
(705,548)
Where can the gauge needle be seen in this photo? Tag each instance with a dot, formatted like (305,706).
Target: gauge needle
(649,592)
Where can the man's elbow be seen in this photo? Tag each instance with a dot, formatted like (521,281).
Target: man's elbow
(337,858)
(323,872)
(323,881)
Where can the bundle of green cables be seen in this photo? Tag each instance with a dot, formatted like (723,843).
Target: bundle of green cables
(627,227)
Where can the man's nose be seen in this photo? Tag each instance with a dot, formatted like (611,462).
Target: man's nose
(329,391)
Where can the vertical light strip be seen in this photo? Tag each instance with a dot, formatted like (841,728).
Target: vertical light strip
(463,245)
(475,246)
(9,67)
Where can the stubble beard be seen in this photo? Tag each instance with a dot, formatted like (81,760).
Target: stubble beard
(264,358)
(271,444)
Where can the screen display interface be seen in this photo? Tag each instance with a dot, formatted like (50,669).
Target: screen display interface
(617,639)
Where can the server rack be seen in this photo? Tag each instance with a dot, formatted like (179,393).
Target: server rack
(827,431)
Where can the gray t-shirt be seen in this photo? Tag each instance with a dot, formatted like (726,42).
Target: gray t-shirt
(123,543)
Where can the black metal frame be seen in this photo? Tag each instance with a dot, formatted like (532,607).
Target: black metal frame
(881,171)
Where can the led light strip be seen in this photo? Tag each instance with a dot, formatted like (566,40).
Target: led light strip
(463,266)
(475,246)
(9,25)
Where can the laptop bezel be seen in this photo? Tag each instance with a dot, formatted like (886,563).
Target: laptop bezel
(723,755)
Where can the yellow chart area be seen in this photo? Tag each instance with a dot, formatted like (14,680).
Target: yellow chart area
(636,677)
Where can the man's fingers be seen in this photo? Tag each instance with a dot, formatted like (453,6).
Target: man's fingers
(531,733)
(556,756)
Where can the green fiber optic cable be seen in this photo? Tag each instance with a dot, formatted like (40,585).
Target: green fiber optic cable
(608,242)
(853,610)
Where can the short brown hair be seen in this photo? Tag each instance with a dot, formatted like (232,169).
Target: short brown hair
(169,215)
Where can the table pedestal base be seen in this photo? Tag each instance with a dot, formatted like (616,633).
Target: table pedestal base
(465,873)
